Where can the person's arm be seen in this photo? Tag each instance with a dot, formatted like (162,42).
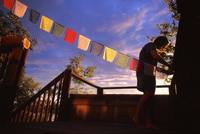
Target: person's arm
(159,58)
(168,72)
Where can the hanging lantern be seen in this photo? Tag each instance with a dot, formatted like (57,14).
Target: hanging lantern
(26,43)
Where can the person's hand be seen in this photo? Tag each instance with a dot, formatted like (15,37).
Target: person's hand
(169,71)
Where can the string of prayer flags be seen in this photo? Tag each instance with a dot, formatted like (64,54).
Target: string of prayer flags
(8,4)
(46,24)
(19,9)
(109,54)
(58,29)
(133,63)
(122,60)
(34,16)
(26,43)
(149,69)
(70,36)
(83,42)
(96,48)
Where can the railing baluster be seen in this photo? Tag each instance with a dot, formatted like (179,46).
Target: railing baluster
(58,99)
(52,104)
(32,111)
(37,107)
(16,117)
(42,107)
(20,115)
(47,106)
(27,113)
(23,114)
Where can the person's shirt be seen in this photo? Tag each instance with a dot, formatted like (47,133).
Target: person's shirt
(145,56)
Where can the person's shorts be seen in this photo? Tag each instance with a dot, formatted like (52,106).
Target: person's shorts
(145,82)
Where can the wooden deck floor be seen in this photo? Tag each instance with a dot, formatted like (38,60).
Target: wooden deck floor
(77,127)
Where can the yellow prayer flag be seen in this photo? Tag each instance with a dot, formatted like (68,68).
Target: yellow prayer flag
(46,24)
(19,9)
(109,54)
(26,43)
(83,42)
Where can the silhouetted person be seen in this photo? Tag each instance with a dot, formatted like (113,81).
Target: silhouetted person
(146,81)
(186,65)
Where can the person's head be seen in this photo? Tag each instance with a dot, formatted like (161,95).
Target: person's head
(161,42)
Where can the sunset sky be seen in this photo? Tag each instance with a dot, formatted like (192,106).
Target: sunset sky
(120,24)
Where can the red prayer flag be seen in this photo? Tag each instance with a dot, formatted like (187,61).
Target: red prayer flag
(8,4)
(132,64)
(70,36)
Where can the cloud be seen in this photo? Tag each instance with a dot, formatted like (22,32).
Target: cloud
(42,46)
(127,46)
(161,13)
(134,21)
(123,77)
(133,52)
(44,70)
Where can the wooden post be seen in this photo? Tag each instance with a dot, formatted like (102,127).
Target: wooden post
(64,103)
(99,91)
(16,59)
(172,87)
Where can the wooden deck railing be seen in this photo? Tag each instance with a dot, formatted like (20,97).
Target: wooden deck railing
(45,105)
(50,103)
(101,89)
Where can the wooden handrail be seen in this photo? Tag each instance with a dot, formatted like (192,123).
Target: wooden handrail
(100,89)
(26,111)
(130,87)
(39,93)
(62,81)
(83,80)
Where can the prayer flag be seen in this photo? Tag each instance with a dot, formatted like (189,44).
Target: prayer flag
(46,24)
(96,48)
(19,9)
(8,4)
(26,43)
(34,16)
(109,54)
(83,42)
(122,60)
(58,29)
(133,64)
(70,36)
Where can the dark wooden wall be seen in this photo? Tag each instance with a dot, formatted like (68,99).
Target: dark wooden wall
(116,108)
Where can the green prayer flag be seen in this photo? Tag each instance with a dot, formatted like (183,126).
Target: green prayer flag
(58,29)
(122,60)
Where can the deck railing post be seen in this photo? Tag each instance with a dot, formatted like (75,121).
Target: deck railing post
(15,62)
(64,103)
(99,91)
(172,87)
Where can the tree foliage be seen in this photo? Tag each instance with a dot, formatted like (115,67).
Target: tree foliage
(81,71)
(11,25)
(172,6)
(26,88)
